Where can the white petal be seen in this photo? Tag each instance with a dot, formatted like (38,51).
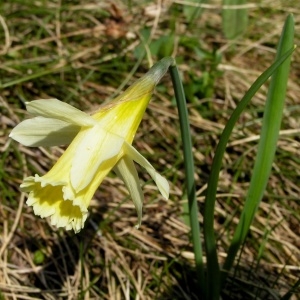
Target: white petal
(53,108)
(160,181)
(97,146)
(126,170)
(41,131)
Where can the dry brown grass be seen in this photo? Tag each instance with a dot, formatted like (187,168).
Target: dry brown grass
(82,52)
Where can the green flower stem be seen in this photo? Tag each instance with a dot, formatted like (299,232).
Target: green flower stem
(189,170)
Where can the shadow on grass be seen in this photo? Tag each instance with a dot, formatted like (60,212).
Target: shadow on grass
(245,284)
(186,284)
(58,260)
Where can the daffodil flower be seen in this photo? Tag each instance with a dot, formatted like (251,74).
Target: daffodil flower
(98,143)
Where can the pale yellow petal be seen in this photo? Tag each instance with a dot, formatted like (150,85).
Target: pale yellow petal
(53,108)
(126,170)
(160,181)
(96,147)
(40,131)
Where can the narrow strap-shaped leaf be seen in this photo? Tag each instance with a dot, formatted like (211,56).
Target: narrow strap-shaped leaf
(213,271)
(267,143)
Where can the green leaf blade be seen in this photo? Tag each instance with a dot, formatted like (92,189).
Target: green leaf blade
(234,21)
(267,144)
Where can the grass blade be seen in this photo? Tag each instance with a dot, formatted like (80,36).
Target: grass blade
(234,21)
(213,270)
(193,12)
(293,289)
(267,144)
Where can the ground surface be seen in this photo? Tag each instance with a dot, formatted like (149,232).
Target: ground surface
(85,52)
